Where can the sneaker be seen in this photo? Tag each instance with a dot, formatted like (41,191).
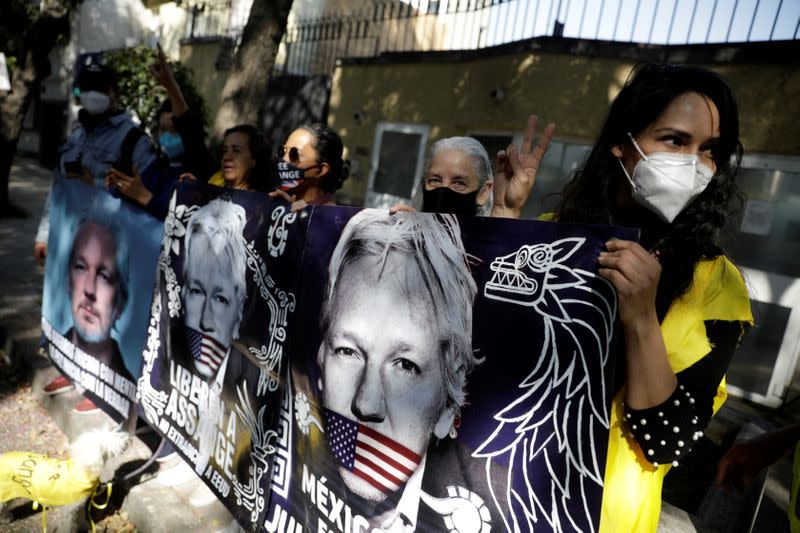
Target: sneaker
(202,496)
(58,385)
(86,406)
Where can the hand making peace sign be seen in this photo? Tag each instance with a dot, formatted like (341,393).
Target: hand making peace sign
(515,171)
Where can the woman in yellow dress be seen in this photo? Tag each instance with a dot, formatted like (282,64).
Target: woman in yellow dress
(665,162)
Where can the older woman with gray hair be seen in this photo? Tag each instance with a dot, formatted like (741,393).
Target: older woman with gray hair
(459,178)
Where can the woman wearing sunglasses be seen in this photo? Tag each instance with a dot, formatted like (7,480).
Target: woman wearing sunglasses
(316,151)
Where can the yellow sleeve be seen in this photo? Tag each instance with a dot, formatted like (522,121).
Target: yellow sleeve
(217,179)
(547,217)
(632,491)
(717,292)
(726,295)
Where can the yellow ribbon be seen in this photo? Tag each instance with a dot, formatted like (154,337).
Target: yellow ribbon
(44,515)
(92,503)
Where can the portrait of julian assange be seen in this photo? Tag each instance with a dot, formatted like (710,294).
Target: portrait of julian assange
(98,288)
(395,354)
(213,293)
(214,288)
(203,341)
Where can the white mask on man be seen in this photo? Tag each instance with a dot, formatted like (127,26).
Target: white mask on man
(665,183)
(95,102)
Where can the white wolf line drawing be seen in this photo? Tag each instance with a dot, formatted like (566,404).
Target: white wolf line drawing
(251,495)
(547,432)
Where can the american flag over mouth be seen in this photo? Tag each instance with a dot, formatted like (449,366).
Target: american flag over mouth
(375,458)
(206,351)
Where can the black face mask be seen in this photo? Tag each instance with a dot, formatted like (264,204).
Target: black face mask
(291,176)
(446,200)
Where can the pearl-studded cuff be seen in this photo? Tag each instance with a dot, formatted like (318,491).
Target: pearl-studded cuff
(668,431)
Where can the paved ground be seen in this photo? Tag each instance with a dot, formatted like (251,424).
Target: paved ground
(172,499)
(24,423)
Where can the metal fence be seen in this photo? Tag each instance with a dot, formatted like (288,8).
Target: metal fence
(215,18)
(311,45)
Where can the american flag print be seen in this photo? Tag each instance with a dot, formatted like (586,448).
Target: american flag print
(206,351)
(375,458)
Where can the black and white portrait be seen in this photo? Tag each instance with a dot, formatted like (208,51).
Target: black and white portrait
(214,287)
(395,354)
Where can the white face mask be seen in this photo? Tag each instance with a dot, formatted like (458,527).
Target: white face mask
(95,102)
(665,183)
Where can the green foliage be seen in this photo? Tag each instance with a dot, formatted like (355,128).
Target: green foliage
(11,64)
(16,16)
(140,93)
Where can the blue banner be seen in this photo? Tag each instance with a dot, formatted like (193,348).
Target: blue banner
(98,287)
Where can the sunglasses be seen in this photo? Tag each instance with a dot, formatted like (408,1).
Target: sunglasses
(294,154)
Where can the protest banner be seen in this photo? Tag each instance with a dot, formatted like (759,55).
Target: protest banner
(446,375)
(346,370)
(217,338)
(98,284)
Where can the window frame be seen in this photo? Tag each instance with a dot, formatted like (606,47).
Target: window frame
(383,200)
(760,285)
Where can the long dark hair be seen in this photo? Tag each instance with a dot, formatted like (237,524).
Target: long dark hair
(330,149)
(264,176)
(590,195)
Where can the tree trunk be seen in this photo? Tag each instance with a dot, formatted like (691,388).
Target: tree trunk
(13,107)
(247,82)
(34,65)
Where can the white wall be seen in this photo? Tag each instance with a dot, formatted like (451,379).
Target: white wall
(98,25)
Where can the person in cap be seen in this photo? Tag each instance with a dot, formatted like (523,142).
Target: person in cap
(104,135)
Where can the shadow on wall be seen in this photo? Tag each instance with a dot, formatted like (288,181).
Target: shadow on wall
(291,101)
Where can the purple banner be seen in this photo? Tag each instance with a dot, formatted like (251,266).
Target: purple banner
(346,370)
(446,375)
